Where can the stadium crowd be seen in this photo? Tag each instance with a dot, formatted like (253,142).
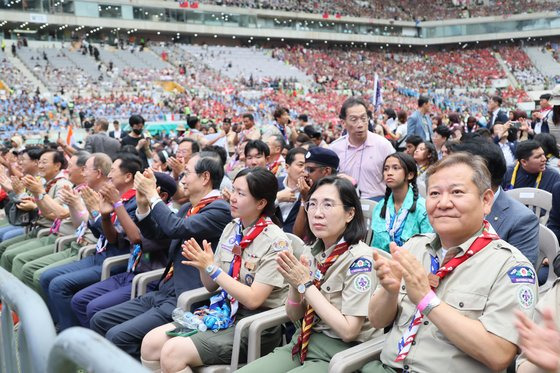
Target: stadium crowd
(405,10)
(212,204)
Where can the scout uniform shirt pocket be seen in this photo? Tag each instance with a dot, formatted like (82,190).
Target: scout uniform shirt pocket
(469,304)
(332,290)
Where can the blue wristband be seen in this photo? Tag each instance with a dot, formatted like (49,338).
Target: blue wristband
(216,273)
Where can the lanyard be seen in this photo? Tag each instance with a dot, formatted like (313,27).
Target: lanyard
(395,224)
(514,177)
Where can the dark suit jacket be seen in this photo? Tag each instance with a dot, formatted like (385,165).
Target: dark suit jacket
(112,134)
(101,143)
(288,224)
(208,224)
(516,224)
(501,117)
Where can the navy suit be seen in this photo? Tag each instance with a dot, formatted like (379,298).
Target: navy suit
(126,324)
(516,224)
(554,221)
(415,127)
(288,224)
(501,117)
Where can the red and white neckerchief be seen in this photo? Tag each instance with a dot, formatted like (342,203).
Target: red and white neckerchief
(487,236)
(274,167)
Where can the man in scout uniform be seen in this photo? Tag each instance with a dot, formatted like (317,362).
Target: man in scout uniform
(451,296)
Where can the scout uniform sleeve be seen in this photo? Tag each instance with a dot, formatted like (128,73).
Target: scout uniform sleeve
(359,282)
(515,288)
(266,272)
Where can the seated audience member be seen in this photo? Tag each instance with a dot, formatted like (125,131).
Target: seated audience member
(319,162)
(554,217)
(62,282)
(550,147)
(256,154)
(328,299)
(441,135)
(402,213)
(244,267)
(539,340)
(203,218)
(145,255)
(500,135)
(513,221)
(425,155)
(530,170)
(288,197)
(412,143)
(276,162)
(451,296)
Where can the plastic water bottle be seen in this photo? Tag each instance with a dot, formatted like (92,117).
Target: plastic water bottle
(188,320)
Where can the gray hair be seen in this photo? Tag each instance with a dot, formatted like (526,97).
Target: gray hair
(481,176)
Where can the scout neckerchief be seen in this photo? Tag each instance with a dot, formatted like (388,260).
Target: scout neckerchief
(192,211)
(275,166)
(55,227)
(438,274)
(102,241)
(514,176)
(394,223)
(309,317)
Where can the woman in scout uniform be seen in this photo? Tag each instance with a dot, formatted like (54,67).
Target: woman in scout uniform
(402,213)
(244,266)
(328,300)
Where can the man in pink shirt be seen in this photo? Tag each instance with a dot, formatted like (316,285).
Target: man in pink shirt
(361,152)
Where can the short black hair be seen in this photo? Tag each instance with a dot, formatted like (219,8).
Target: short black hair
(548,143)
(291,156)
(210,162)
(192,121)
(414,140)
(33,152)
(130,163)
(262,184)
(497,99)
(443,131)
(219,150)
(423,100)
(432,152)
(249,116)
(279,111)
(303,117)
(391,113)
(491,153)
(135,119)
(350,103)
(525,149)
(194,144)
(58,157)
(261,147)
(356,230)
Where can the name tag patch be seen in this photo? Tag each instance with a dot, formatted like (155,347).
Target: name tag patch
(360,265)
(522,275)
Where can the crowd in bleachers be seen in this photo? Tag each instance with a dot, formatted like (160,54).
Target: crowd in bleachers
(228,205)
(406,10)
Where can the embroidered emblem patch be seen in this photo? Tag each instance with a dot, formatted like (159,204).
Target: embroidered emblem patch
(249,280)
(360,265)
(526,297)
(280,246)
(362,283)
(522,275)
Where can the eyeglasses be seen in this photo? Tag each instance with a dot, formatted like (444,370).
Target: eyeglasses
(325,206)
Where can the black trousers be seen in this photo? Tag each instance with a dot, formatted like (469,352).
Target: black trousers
(126,324)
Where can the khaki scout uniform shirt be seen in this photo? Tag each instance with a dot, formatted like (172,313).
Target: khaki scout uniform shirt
(551,300)
(54,194)
(258,262)
(347,285)
(488,287)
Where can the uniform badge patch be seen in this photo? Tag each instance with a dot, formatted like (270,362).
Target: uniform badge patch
(249,280)
(362,283)
(280,245)
(526,297)
(360,265)
(522,275)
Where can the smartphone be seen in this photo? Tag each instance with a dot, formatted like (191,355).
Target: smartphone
(516,124)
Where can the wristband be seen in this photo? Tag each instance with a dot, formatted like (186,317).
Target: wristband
(117,204)
(82,213)
(293,303)
(215,275)
(426,300)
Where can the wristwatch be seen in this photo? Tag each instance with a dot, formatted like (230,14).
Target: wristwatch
(94,214)
(210,269)
(431,305)
(303,287)
(41,196)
